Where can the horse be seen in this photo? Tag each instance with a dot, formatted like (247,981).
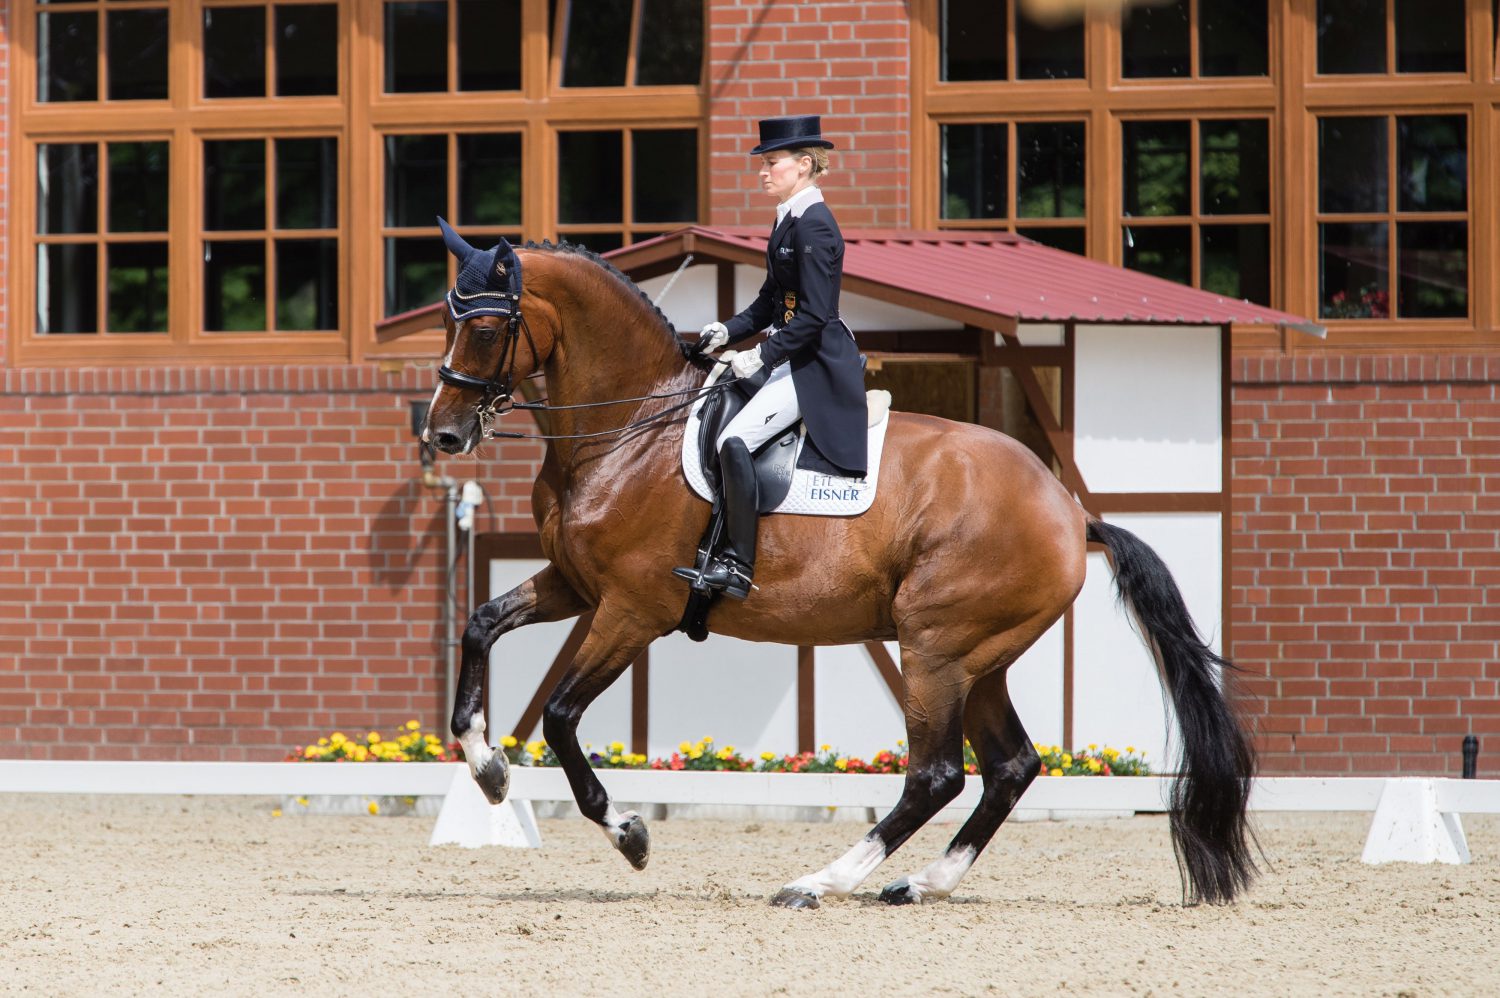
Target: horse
(969,553)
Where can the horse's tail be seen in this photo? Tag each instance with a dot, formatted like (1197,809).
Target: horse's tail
(1209,794)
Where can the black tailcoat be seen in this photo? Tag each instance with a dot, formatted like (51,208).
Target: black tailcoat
(805,266)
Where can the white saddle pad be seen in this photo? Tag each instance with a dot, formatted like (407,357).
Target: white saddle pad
(812,493)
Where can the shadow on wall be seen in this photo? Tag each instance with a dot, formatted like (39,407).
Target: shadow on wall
(410,522)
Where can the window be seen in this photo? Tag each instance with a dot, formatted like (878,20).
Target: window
(616,187)
(471,179)
(1197,203)
(1392,36)
(994,40)
(1393,199)
(123,46)
(300,61)
(441,46)
(1157,40)
(1028,176)
(613,43)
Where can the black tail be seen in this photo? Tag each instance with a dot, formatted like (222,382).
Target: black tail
(1210,792)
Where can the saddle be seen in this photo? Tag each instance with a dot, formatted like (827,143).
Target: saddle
(774,463)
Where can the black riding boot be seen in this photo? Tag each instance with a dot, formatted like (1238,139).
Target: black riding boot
(732,568)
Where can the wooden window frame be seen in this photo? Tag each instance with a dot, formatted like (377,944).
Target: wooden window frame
(1293,97)
(360,115)
(1390,52)
(1011,220)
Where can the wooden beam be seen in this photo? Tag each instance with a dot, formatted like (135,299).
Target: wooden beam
(884,665)
(533,712)
(806,700)
(640,702)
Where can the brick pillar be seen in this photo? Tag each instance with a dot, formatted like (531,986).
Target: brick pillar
(849,62)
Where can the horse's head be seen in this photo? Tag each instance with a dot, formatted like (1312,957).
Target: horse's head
(490,348)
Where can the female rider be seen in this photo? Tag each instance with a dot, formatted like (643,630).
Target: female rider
(815,371)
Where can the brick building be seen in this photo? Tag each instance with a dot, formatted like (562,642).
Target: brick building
(215,540)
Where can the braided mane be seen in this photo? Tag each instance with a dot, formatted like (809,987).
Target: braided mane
(683,347)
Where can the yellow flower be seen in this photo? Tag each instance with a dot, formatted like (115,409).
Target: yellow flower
(1095,765)
(338,738)
(1055,772)
(509,741)
(823,748)
(361,753)
(302,801)
(695,753)
(311,752)
(412,725)
(684,748)
(1093,747)
(617,746)
(768,756)
(373,737)
(373,807)
(900,742)
(1130,748)
(1111,754)
(1067,760)
(841,765)
(322,741)
(276,813)
(615,759)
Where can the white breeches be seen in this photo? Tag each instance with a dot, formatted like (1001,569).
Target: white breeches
(768,413)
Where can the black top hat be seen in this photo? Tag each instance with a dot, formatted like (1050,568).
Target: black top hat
(796,131)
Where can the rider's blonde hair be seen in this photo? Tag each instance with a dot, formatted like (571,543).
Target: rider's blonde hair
(819,157)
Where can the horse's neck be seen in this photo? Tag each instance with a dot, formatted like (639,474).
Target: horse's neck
(612,346)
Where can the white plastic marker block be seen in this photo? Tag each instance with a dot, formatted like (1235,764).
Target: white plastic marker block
(468,820)
(1409,828)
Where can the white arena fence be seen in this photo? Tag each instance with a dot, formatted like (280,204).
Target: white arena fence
(1415,819)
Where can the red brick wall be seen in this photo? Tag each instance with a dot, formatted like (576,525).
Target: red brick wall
(850,63)
(220,563)
(1366,586)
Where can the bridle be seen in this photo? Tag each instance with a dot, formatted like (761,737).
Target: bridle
(499,387)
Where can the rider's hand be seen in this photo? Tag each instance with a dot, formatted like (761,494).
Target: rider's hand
(746,363)
(713,336)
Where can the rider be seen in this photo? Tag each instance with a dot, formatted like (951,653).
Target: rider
(815,370)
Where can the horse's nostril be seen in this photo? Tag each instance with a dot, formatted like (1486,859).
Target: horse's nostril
(449,443)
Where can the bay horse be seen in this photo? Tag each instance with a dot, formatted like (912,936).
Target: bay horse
(970,552)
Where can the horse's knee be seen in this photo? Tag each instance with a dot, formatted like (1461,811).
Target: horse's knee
(559,722)
(938,784)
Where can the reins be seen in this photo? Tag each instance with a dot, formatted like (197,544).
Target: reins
(698,393)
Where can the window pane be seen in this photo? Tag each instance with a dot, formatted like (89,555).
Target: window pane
(137,301)
(596,47)
(67,188)
(1431,154)
(1236,168)
(1050,177)
(1236,261)
(1156,167)
(139,185)
(671,46)
(489,179)
(416,180)
(1352,163)
(307,284)
(138,54)
(1430,36)
(1355,278)
(664,165)
(1161,250)
(416,47)
(1154,40)
(416,273)
(1048,51)
(974,171)
(1432,259)
(307,183)
(234,52)
(973,40)
(590,177)
(234,175)
(67,296)
(234,292)
(307,50)
(1073,239)
(67,62)
(1232,38)
(489,44)
(1351,36)
(599,242)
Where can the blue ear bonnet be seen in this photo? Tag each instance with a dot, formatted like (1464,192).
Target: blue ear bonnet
(489,281)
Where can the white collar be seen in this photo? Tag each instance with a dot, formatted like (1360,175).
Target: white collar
(798,203)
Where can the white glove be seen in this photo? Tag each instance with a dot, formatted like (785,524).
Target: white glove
(713,336)
(746,363)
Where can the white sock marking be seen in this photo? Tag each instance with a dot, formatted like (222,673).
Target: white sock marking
(939,878)
(476,750)
(840,878)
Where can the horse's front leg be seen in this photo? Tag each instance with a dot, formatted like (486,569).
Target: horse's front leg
(612,644)
(544,597)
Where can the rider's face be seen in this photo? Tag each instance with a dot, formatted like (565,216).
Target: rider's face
(782,174)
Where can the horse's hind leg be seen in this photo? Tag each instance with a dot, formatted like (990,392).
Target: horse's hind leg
(1007,761)
(612,644)
(543,597)
(935,775)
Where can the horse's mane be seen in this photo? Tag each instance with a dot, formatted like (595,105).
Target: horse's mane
(689,353)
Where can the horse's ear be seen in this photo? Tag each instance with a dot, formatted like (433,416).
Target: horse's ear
(454,241)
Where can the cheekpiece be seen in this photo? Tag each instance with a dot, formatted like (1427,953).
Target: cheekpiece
(797,131)
(489,281)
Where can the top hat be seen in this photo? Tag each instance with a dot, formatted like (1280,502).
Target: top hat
(796,131)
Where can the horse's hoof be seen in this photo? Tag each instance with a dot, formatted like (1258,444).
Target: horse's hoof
(795,899)
(635,841)
(900,892)
(494,779)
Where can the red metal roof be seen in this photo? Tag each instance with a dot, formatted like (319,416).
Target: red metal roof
(997,274)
